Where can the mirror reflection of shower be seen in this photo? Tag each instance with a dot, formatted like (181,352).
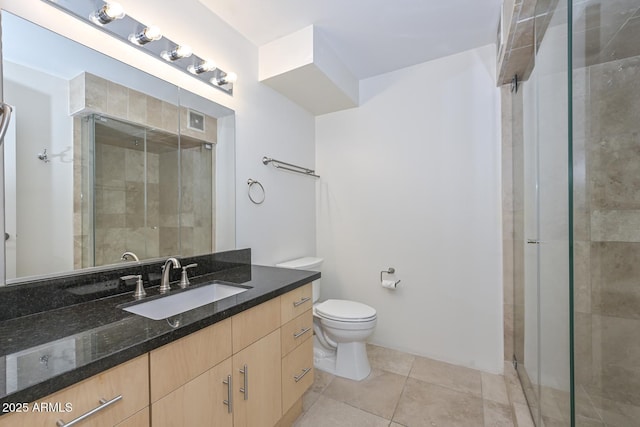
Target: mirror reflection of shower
(144,190)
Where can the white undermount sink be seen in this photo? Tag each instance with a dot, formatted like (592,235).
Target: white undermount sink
(171,305)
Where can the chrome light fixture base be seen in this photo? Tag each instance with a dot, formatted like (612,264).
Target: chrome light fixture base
(109,17)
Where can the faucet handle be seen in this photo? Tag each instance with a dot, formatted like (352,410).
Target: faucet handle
(140,292)
(184,279)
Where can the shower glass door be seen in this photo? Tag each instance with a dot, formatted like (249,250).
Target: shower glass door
(544,363)
(147,191)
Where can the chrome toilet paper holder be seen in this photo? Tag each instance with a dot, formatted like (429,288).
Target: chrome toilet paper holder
(390,270)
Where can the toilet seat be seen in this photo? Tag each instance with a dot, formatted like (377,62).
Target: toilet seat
(344,311)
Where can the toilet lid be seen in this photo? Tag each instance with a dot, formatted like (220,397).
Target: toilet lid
(344,310)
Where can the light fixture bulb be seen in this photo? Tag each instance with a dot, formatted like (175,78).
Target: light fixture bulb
(148,34)
(231,77)
(107,13)
(178,52)
(228,78)
(203,67)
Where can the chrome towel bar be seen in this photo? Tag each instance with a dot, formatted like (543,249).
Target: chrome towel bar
(278,164)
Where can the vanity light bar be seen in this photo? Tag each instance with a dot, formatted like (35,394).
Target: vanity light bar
(110,17)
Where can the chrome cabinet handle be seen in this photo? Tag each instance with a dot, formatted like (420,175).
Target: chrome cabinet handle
(302,301)
(301,333)
(305,371)
(245,390)
(6,116)
(229,401)
(103,404)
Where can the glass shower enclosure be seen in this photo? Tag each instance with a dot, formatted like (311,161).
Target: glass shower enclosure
(145,190)
(577,279)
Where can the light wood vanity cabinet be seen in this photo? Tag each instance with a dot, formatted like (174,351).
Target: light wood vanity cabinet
(246,371)
(129,380)
(257,402)
(297,348)
(296,302)
(187,387)
(199,402)
(175,364)
(296,331)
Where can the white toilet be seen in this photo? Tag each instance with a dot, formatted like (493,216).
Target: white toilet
(341,328)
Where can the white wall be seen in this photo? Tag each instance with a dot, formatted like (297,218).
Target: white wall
(43,212)
(266,122)
(411,180)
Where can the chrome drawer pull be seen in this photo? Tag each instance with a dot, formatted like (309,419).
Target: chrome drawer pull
(245,390)
(229,401)
(304,372)
(301,333)
(302,301)
(103,404)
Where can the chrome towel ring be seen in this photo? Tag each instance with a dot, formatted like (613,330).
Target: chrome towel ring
(256,198)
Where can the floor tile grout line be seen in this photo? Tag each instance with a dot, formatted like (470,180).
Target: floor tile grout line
(593,406)
(359,409)
(449,388)
(395,409)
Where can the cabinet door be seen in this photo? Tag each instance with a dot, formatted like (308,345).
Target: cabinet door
(177,363)
(200,402)
(253,324)
(257,396)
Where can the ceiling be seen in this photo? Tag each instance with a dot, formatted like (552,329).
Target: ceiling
(371,37)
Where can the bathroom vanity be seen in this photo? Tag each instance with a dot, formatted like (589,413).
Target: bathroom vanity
(245,360)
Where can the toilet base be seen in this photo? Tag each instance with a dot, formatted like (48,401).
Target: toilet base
(349,360)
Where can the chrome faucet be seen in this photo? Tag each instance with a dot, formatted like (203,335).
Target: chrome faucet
(125,256)
(166,270)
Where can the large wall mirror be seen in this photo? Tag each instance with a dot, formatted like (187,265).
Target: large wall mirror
(102,159)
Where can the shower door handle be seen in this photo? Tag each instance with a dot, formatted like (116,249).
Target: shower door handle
(4,123)
(533,242)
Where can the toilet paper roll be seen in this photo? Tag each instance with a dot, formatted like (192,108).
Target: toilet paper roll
(389,284)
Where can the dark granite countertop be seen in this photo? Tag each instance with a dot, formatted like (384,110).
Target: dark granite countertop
(42,353)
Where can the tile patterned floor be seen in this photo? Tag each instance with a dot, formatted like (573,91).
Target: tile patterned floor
(406,390)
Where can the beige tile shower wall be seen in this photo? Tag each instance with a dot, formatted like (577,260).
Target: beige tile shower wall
(120,204)
(92,94)
(88,96)
(196,227)
(607,244)
(513,222)
(507,220)
(168,204)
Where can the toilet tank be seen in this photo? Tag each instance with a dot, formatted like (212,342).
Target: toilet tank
(306,263)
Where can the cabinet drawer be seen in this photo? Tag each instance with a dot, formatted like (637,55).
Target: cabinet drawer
(297,373)
(181,361)
(296,331)
(296,302)
(129,380)
(255,323)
